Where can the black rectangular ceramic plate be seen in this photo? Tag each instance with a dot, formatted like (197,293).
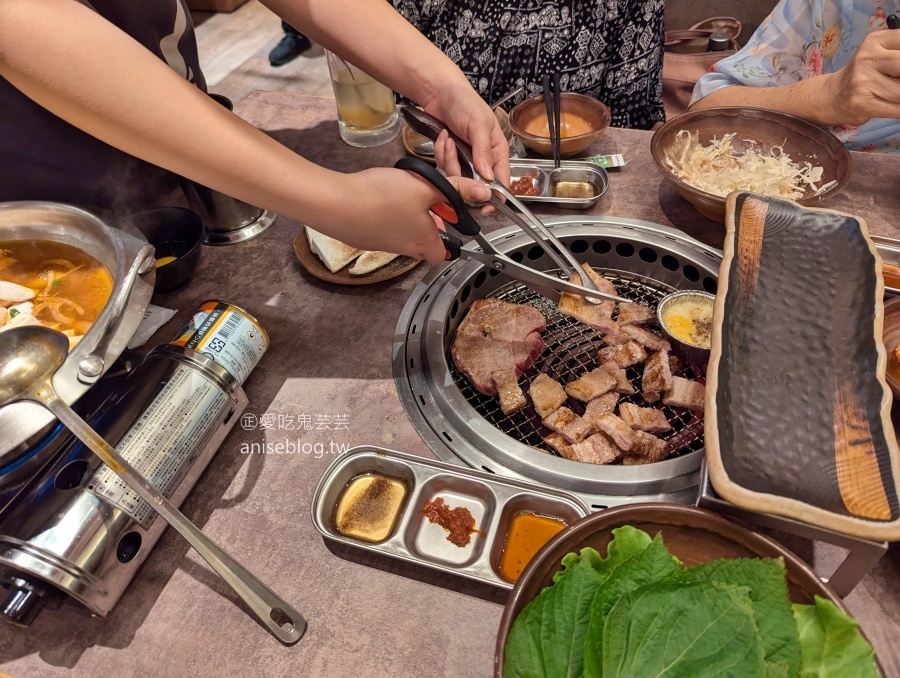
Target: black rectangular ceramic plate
(797,408)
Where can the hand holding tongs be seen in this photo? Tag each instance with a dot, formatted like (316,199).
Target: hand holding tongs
(457,215)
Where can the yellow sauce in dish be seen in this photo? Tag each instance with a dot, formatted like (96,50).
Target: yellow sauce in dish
(527,533)
(369,507)
(690,321)
(574,189)
(162,261)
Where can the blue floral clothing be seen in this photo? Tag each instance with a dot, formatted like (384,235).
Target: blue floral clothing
(805,38)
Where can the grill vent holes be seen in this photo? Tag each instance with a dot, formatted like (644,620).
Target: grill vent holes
(710,285)
(447,436)
(579,246)
(517,257)
(648,255)
(601,246)
(465,294)
(624,249)
(535,253)
(691,273)
(480,279)
(494,272)
(454,309)
(670,263)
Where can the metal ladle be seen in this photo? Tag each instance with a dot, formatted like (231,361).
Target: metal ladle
(29,357)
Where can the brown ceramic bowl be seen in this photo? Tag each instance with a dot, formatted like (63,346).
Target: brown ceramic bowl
(800,139)
(530,115)
(692,534)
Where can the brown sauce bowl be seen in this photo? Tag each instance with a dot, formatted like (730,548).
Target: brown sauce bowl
(593,112)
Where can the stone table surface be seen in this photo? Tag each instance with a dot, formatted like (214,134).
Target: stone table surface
(330,363)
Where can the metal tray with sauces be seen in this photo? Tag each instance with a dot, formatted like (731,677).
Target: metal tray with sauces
(798,410)
(573,185)
(376,499)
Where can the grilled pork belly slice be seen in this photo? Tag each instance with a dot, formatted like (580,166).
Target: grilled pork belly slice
(646,419)
(646,338)
(568,424)
(496,335)
(558,444)
(620,432)
(657,376)
(591,385)
(646,449)
(605,404)
(598,449)
(685,393)
(634,314)
(596,316)
(626,355)
(547,394)
(622,386)
(507,384)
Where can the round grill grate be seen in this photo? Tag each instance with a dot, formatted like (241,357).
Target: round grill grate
(570,349)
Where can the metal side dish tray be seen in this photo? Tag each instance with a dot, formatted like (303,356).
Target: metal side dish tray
(573,185)
(373,498)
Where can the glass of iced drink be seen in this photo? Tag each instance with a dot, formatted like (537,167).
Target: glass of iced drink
(367,115)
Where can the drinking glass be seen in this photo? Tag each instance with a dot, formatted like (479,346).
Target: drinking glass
(367,115)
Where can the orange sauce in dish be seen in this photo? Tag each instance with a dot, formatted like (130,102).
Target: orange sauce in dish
(570,125)
(527,533)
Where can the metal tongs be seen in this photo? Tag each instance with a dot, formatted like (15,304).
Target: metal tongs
(457,214)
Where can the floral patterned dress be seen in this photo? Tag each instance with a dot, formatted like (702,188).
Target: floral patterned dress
(607,49)
(804,38)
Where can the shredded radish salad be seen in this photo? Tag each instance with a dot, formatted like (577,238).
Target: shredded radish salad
(719,169)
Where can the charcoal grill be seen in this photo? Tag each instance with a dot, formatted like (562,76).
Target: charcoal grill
(644,261)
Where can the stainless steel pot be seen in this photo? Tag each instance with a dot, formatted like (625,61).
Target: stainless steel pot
(129,260)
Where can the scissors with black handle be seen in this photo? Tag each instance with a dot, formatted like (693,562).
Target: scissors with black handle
(430,127)
(456,213)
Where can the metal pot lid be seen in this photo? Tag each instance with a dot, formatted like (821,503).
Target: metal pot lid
(24,425)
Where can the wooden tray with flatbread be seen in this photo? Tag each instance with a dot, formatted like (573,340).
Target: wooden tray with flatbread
(798,411)
(315,267)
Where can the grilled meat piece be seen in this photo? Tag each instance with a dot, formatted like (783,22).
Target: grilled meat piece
(596,316)
(634,314)
(646,449)
(547,394)
(598,449)
(620,432)
(646,419)
(507,384)
(568,424)
(558,444)
(646,338)
(496,335)
(685,393)
(622,386)
(605,404)
(626,355)
(674,363)
(657,376)
(591,385)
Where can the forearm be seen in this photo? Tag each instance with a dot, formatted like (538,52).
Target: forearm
(372,35)
(83,69)
(811,99)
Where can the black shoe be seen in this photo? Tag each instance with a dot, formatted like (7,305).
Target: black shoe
(290,47)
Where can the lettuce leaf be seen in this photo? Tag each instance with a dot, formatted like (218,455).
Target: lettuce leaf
(771,606)
(547,638)
(669,629)
(654,564)
(831,644)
